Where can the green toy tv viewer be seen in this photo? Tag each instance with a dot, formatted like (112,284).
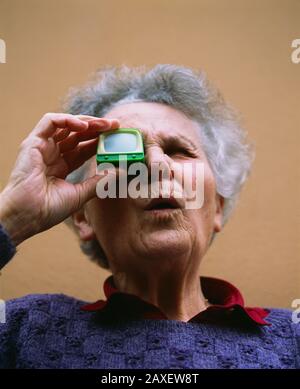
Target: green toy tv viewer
(120,144)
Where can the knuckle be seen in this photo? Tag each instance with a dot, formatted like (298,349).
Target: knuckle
(23,144)
(37,142)
(32,142)
(54,116)
(26,143)
(49,115)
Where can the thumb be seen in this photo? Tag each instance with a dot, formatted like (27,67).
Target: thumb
(87,190)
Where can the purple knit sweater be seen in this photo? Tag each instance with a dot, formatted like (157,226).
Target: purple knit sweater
(51,331)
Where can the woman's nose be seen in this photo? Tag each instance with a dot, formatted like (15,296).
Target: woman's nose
(159,165)
(156,155)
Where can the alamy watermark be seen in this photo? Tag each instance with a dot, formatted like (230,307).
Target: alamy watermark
(2,51)
(296,312)
(295,56)
(2,312)
(182,181)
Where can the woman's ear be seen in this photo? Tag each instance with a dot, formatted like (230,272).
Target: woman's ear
(83,226)
(219,213)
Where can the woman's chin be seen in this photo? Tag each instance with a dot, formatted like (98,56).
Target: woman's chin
(166,243)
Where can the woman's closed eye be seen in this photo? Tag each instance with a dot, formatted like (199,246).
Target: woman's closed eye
(181,151)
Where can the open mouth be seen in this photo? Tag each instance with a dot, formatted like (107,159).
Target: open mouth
(162,204)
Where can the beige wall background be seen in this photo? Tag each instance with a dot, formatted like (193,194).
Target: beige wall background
(245,48)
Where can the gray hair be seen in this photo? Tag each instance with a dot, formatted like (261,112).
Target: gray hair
(224,141)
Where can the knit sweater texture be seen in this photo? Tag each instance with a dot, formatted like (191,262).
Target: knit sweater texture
(51,331)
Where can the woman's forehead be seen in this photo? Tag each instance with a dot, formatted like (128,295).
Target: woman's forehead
(156,121)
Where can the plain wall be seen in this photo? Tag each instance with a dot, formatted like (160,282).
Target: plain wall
(245,49)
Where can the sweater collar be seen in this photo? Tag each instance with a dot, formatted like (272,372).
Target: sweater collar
(227,304)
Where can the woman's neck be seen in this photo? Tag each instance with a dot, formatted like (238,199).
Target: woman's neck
(178,297)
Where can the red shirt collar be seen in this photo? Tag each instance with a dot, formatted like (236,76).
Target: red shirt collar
(227,304)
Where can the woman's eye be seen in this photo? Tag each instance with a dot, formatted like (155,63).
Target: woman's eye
(182,151)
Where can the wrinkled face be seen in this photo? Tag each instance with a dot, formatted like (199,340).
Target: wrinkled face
(130,230)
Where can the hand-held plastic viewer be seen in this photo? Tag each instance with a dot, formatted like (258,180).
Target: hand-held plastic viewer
(120,144)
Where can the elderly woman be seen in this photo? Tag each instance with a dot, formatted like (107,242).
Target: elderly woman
(157,312)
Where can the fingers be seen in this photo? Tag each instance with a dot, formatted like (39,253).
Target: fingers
(74,139)
(114,123)
(86,190)
(52,123)
(70,141)
(80,154)
(61,134)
